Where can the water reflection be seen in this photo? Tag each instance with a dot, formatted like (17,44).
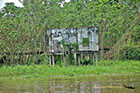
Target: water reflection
(104,84)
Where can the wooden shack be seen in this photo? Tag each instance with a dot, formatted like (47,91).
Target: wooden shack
(75,41)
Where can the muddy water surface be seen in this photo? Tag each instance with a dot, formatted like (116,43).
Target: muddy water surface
(85,84)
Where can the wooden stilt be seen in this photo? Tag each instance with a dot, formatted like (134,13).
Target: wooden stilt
(28,59)
(53,63)
(96,55)
(93,58)
(86,56)
(69,59)
(50,59)
(75,58)
(64,60)
(89,57)
(79,60)
(31,58)
(81,56)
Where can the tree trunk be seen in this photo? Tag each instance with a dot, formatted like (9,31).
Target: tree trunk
(39,51)
(36,53)
(102,45)
(102,40)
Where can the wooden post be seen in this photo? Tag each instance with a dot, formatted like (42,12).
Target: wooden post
(81,56)
(64,59)
(69,59)
(89,57)
(75,58)
(31,58)
(36,60)
(86,56)
(79,59)
(23,59)
(96,55)
(50,59)
(53,60)
(93,58)
(28,59)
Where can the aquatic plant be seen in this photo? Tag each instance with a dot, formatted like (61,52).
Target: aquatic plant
(108,67)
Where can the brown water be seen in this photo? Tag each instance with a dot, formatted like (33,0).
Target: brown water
(86,84)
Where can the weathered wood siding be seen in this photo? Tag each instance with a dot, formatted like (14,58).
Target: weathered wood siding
(92,34)
(55,37)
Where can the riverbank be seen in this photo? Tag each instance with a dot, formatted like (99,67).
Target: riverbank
(104,67)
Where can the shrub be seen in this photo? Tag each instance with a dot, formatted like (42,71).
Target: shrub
(130,52)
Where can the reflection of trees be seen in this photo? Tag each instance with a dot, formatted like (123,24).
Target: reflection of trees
(73,85)
(51,87)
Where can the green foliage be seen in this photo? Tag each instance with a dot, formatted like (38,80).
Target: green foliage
(63,42)
(75,45)
(43,59)
(85,42)
(130,52)
(109,67)
(20,32)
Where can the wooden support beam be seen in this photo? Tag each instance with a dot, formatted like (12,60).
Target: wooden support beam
(81,56)
(75,57)
(31,58)
(96,56)
(28,57)
(69,59)
(79,59)
(64,60)
(93,58)
(53,63)
(50,59)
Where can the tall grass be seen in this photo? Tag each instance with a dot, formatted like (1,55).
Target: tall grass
(109,67)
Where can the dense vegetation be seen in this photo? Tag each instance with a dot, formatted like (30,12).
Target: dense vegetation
(104,67)
(24,32)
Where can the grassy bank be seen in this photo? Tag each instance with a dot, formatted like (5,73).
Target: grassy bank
(104,67)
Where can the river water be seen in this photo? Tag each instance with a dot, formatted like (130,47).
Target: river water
(85,84)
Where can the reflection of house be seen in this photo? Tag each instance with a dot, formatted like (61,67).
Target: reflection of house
(85,38)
